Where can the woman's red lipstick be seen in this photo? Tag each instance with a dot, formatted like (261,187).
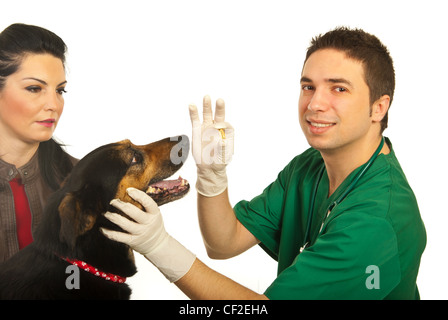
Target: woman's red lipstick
(47,122)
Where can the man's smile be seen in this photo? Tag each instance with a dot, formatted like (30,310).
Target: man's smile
(321,125)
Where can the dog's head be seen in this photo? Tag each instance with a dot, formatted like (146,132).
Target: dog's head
(105,174)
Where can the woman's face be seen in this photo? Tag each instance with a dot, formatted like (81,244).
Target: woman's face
(31,102)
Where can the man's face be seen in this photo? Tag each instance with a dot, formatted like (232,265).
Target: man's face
(334,106)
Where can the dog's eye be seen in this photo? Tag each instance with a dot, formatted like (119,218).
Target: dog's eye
(136,159)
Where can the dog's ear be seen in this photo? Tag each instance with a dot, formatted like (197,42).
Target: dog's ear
(75,221)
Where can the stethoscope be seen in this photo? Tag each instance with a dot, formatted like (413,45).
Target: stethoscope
(363,170)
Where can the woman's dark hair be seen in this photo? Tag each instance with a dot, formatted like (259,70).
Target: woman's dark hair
(54,163)
(16,41)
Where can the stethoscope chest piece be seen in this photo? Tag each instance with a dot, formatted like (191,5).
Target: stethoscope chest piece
(321,226)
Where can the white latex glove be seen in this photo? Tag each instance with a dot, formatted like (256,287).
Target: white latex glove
(212,147)
(147,235)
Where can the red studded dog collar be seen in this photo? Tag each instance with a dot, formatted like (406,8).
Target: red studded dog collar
(88,268)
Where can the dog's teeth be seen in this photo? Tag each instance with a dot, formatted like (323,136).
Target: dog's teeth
(151,190)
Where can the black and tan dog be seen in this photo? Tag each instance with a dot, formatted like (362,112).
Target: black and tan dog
(70,229)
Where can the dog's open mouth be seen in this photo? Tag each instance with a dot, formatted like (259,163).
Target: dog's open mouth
(168,190)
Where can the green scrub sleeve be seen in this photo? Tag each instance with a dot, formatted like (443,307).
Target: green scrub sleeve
(262,215)
(264,232)
(354,259)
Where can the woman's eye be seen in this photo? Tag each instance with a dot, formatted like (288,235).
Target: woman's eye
(61,91)
(34,89)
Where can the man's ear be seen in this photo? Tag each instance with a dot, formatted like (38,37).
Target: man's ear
(75,221)
(380,108)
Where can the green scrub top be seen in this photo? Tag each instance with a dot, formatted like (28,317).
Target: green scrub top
(369,247)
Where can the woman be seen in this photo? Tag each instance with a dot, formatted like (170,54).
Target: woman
(32,163)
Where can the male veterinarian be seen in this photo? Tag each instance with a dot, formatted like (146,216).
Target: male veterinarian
(341,219)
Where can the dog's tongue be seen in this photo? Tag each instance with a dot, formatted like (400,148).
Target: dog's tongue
(169,184)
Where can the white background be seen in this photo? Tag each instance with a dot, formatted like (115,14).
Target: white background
(134,66)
